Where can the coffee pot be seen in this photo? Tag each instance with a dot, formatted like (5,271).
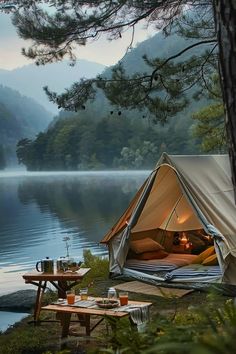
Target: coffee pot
(61,264)
(46,265)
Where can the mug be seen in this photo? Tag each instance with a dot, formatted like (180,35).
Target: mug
(46,265)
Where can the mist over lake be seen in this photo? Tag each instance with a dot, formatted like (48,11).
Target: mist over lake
(38,209)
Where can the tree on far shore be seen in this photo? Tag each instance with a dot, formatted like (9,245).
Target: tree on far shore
(2,158)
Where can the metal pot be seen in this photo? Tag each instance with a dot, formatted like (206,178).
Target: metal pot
(46,265)
(61,266)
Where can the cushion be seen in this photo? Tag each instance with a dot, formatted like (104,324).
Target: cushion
(211,260)
(145,245)
(205,254)
(152,255)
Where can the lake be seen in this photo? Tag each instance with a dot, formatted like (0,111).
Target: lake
(38,209)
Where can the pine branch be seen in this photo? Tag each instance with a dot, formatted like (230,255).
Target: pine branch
(178,55)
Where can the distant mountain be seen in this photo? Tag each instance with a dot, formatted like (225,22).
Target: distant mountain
(20,117)
(133,62)
(30,79)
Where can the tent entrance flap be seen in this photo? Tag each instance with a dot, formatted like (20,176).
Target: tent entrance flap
(167,207)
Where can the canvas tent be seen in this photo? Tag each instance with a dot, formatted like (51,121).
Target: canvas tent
(182,193)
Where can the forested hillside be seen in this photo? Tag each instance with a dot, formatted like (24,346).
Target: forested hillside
(103,136)
(114,142)
(20,117)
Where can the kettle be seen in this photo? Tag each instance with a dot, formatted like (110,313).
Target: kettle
(62,264)
(46,265)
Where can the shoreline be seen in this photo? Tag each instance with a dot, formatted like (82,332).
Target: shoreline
(10,319)
(15,307)
(18,301)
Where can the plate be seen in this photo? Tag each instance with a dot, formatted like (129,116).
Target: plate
(107,304)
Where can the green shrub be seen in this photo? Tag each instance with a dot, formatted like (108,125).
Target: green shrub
(203,331)
(99,271)
(27,341)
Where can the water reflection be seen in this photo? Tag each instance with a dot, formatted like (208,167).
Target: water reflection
(37,210)
(80,202)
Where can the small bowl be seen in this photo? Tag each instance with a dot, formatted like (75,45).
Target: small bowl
(107,304)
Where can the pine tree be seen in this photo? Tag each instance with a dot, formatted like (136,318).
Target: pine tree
(210,125)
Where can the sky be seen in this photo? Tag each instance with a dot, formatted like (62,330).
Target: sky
(102,51)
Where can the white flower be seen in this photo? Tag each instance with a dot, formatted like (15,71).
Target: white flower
(66,239)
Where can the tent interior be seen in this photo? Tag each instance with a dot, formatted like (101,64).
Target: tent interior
(168,241)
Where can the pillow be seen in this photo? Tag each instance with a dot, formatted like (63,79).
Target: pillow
(205,254)
(145,245)
(210,261)
(152,255)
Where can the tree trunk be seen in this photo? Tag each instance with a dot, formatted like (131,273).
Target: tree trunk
(225,19)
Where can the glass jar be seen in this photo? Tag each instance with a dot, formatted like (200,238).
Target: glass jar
(112,295)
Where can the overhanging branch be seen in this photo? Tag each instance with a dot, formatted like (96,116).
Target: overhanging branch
(178,55)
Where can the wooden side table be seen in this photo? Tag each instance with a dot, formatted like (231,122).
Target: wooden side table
(61,281)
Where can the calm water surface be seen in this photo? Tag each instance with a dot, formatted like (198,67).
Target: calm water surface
(38,209)
(7,319)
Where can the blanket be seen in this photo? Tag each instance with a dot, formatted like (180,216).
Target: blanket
(169,263)
(194,271)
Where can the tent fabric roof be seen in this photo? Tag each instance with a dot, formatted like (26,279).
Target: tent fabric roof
(166,207)
(206,178)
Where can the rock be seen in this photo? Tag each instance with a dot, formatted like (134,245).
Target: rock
(22,300)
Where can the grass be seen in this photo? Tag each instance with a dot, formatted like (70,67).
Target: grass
(175,322)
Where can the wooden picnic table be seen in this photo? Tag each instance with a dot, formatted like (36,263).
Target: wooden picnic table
(61,281)
(64,313)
